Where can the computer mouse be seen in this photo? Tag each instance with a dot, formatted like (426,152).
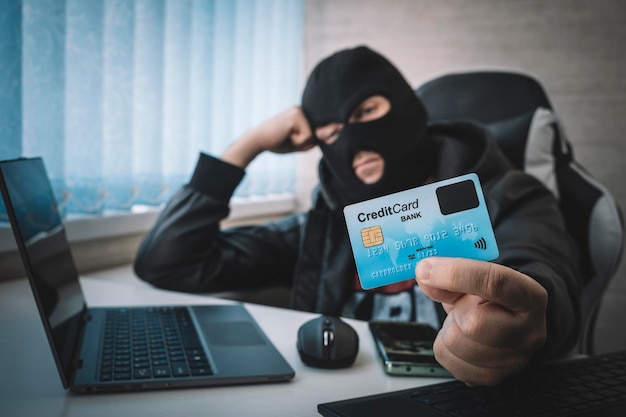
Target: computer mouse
(327,342)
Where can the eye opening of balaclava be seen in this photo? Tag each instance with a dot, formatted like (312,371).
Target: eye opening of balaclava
(337,85)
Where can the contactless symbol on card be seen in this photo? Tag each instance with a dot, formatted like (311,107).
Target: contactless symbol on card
(390,234)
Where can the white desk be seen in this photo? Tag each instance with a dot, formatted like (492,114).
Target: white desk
(30,385)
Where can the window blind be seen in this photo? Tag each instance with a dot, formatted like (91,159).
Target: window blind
(120,96)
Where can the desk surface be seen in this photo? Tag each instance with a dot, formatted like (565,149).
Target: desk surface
(30,384)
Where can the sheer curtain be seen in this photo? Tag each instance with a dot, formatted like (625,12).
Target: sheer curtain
(120,96)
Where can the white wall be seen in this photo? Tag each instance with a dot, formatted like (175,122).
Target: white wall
(576,47)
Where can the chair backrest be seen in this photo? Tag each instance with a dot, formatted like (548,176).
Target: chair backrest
(515,108)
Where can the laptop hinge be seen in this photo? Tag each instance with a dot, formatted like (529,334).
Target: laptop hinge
(77,362)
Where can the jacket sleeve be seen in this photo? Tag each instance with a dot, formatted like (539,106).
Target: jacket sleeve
(532,239)
(186,250)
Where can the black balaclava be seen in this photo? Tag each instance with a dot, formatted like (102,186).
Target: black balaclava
(337,85)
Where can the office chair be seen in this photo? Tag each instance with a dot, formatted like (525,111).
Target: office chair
(515,108)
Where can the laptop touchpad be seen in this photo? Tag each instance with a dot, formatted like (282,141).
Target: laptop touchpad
(233,333)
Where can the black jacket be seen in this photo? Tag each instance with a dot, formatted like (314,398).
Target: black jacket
(310,253)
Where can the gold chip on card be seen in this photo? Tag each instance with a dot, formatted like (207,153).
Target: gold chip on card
(372,236)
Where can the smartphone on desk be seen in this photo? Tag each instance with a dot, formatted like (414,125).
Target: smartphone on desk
(406,348)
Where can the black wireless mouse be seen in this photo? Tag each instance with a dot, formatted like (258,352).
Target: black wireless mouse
(327,342)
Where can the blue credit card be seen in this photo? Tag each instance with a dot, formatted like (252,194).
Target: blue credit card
(391,234)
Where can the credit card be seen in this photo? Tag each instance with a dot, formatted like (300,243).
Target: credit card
(391,234)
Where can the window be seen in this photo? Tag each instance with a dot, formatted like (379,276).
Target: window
(120,96)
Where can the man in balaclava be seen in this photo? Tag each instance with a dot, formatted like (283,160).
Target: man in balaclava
(497,316)
(335,88)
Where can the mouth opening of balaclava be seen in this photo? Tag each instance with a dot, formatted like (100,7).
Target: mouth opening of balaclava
(335,88)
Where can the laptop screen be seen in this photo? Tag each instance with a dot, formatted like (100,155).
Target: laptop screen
(40,236)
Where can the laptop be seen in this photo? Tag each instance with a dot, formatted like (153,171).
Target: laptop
(593,386)
(134,348)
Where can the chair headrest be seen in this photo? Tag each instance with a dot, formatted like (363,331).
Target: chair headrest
(485,96)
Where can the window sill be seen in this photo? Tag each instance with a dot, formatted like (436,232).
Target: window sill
(141,219)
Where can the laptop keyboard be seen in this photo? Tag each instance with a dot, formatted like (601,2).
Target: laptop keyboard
(145,343)
(593,383)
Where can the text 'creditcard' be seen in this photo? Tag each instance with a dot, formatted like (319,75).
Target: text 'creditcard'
(391,234)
